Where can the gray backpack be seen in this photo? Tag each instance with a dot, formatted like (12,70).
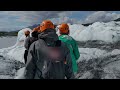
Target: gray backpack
(54,64)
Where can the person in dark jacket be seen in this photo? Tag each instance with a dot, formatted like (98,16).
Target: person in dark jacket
(27,35)
(29,41)
(48,57)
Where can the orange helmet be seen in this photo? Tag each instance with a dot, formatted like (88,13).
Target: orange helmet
(46,24)
(27,32)
(64,28)
(36,29)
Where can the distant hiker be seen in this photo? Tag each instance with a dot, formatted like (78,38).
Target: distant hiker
(27,34)
(48,57)
(71,44)
(29,41)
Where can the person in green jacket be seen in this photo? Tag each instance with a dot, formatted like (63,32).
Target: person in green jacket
(71,44)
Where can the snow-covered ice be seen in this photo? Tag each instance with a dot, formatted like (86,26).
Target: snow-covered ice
(90,53)
(19,74)
(108,32)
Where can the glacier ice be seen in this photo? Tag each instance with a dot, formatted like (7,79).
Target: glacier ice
(16,52)
(108,32)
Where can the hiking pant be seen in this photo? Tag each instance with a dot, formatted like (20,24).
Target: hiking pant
(25,55)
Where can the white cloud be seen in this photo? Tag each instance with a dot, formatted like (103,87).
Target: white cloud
(65,20)
(33,17)
(101,16)
(32,14)
(19,19)
(26,17)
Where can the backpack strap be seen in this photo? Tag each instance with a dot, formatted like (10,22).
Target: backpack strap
(65,61)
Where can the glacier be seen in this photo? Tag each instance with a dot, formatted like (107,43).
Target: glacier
(98,46)
(108,32)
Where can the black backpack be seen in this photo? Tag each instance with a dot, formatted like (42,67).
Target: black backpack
(54,65)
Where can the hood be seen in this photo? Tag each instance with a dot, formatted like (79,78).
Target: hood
(34,34)
(49,36)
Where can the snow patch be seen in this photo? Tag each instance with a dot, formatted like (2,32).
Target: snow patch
(90,53)
(20,74)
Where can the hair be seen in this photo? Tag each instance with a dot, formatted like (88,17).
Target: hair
(27,35)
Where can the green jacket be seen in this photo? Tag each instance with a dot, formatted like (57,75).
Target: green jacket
(73,47)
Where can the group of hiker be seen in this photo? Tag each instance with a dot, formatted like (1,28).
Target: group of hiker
(49,55)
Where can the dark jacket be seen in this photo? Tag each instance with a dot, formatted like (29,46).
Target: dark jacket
(30,40)
(37,58)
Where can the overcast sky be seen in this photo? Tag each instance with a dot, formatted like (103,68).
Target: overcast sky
(14,20)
